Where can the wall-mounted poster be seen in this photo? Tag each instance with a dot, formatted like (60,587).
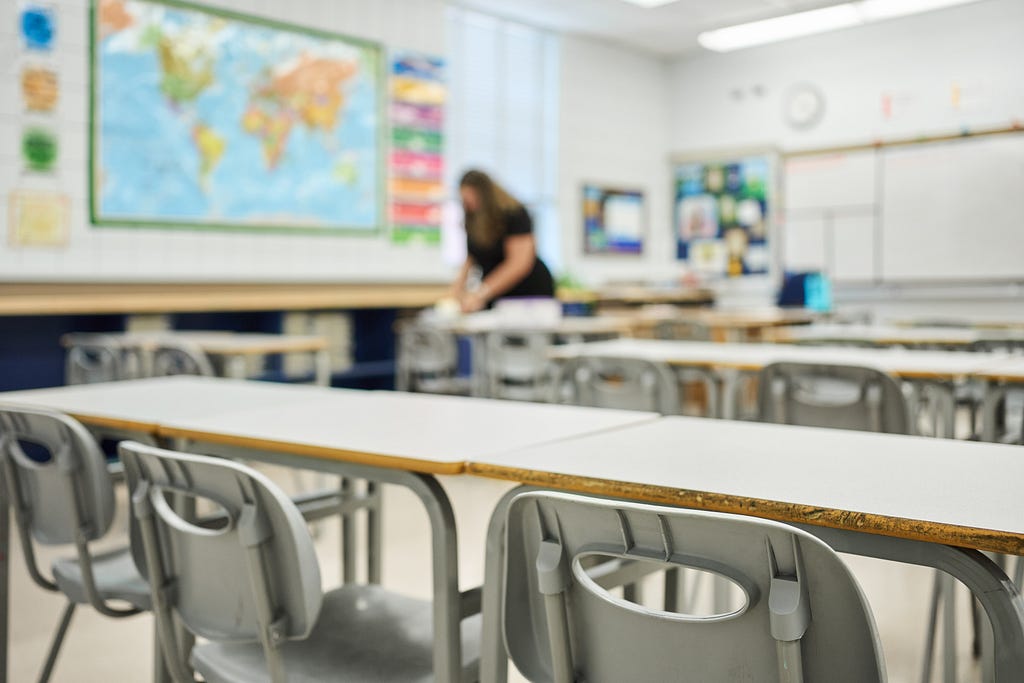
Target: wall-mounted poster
(208,118)
(37,219)
(38,24)
(613,220)
(39,89)
(417,142)
(722,215)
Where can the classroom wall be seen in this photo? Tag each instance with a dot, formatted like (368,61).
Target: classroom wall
(915,61)
(934,73)
(614,124)
(143,254)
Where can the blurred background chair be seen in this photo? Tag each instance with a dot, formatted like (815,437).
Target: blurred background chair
(98,358)
(838,396)
(624,383)
(428,361)
(175,357)
(516,364)
(688,330)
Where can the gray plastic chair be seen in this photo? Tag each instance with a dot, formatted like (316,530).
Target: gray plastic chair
(180,358)
(804,617)
(428,360)
(94,358)
(689,330)
(251,586)
(517,365)
(624,383)
(838,396)
(56,481)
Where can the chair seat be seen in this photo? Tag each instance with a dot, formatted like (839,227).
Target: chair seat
(363,633)
(115,575)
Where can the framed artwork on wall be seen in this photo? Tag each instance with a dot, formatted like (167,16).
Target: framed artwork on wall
(614,220)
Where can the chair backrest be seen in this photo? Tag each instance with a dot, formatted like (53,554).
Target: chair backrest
(56,476)
(560,625)
(426,355)
(625,383)
(93,358)
(689,330)
(839,396)
(180,358)
(1009,345)
(255,574)
(517,364)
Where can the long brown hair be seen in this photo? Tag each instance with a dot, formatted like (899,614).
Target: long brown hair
(486,225)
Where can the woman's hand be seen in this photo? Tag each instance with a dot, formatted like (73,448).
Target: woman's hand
(473,302)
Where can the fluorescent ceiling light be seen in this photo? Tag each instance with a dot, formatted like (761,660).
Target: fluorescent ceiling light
(815,21)
(650,3)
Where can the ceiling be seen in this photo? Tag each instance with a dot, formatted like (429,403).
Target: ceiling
(669,30)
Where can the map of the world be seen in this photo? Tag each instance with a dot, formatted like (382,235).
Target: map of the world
(214,119)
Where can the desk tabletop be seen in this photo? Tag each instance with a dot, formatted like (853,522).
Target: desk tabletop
(490,321)
(227,343)
(1011,371)
(935,490)
(890,334)
(140,405)
(752,357)
(417,432)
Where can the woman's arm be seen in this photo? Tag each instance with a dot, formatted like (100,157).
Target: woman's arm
(520,255)
(459,284)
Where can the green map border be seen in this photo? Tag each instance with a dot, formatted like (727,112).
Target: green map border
(383,132)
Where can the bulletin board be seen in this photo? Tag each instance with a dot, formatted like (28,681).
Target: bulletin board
(723,208)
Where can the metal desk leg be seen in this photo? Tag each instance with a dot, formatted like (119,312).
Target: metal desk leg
(5,579)
(373,532)
(348,533)
(478,363)
(995,592)
(730,393)
(322,364)
(994,395)
(235,367)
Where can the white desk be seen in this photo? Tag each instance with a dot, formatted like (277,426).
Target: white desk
(233,347)
(908,499)
(894,335)
(937,368)
(753,357)
(140,405)
(413,432)
(999,380)
(377,436)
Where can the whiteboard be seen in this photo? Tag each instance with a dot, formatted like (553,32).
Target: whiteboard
(954,210)
(830,181)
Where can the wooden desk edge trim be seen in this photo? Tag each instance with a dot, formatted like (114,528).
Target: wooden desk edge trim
(320,452)
(915,530)
(148,428)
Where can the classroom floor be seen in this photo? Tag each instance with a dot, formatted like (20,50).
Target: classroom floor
(102,649)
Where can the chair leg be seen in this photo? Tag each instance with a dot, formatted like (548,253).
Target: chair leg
(932,633)
(58,640)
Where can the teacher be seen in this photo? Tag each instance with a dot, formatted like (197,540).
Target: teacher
(500,242)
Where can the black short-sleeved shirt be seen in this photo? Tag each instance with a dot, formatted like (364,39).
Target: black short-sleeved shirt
(538,282)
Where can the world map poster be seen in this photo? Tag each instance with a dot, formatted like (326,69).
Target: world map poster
(205,118)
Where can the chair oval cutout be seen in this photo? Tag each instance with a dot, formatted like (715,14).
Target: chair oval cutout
(212,518)
(31,453)
(694,592)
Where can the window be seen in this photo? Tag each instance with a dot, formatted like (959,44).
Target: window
(503,116)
